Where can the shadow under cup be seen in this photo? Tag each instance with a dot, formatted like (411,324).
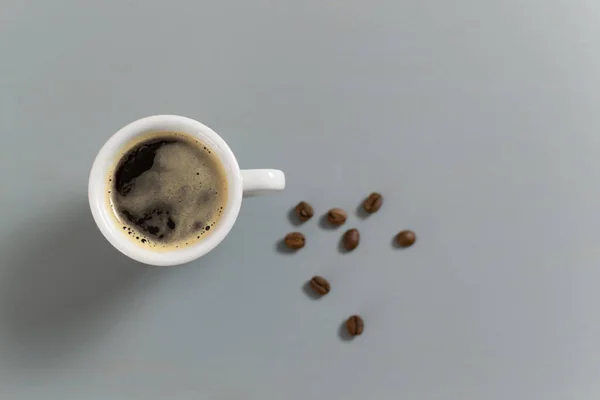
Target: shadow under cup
(110,155)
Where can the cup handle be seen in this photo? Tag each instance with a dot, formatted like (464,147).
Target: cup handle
(261,181)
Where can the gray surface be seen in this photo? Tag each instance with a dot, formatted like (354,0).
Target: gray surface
(478,120)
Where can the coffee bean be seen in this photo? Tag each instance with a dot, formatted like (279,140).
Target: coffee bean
(406,238)
(373,203)
(320,285)
(295,240)
(337,216)
(355,325)
(351,239)
(304,211)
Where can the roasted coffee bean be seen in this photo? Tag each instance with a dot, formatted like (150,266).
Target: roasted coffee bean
(295,240)
(337,216)
(406,238)
(351,239)
(320,285)
(304,211)
(373,203)
(355,325)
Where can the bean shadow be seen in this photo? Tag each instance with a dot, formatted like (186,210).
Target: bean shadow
(63,284)
(281,248)
(343,332)
(293,217)
(341,248)
(309,292)
(360,211)
(324,223)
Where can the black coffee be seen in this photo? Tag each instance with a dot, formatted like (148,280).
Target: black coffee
(168,190)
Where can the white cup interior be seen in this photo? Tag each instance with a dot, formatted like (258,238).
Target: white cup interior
(109,155)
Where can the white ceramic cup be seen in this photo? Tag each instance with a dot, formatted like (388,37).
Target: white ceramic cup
(240,182)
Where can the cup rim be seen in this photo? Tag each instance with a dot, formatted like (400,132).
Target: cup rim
(98,184)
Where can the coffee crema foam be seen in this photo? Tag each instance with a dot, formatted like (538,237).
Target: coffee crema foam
(168,190)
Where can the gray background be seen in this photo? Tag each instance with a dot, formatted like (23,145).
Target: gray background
(478,121)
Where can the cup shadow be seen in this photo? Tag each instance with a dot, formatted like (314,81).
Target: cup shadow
(63,284)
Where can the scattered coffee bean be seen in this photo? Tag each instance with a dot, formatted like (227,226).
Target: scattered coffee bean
(373,203)
(337,216)
(351,239)
(406,238)
(320,285)
(304,211)
(355,325)
(295,240)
